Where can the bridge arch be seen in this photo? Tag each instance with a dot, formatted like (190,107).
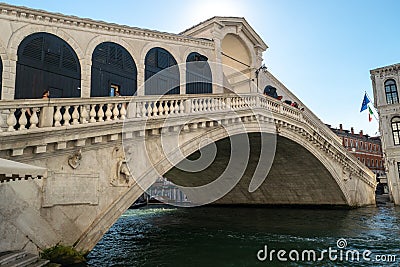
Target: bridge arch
(113,69)
(46,62)
(163,165)
(161,62)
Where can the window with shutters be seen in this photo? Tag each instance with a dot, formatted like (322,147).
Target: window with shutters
(46,61)
(198,74)
(161,73)
(112,64)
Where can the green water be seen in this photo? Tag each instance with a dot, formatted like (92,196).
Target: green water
(232,236)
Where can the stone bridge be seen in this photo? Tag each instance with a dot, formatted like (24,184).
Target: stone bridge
(98,153)
(86,192)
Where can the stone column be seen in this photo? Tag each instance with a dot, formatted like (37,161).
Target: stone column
(86,76)
(182,78)
(140,79)
(9,75)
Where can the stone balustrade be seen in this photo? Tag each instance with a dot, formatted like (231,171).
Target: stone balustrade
(19,117)
(24,115)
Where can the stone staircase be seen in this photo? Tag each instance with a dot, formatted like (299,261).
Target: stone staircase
(20,258)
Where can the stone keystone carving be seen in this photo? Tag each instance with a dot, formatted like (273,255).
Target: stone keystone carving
(75,160)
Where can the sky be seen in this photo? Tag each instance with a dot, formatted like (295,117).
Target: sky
(322,51)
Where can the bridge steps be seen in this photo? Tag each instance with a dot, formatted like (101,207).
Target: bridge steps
(20,259)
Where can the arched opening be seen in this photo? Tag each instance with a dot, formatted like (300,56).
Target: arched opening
(46,62)
(198,74)
(391,92)
(159,61)
(113,69)
(236,61)
(307,181)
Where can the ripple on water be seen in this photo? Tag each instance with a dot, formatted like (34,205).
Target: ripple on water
(223,236)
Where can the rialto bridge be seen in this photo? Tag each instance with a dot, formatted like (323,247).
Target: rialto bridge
(72,164)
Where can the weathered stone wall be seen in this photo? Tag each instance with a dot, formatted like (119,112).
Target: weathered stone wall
(386,113)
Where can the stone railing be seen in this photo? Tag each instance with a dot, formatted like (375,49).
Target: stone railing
(24,115)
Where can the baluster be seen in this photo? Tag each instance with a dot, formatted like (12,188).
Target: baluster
(149,109)
(84,115)
(108,112)
(193,105)
(92,114)
(22,120)
(160,107)
(213,101)
(182,107)
(155,109)
(75,116)
(166,108)
(100,113)
(57,117)
(11,120)
(115,111)
(34,120)
(66,116)
(144,109)
(209,105)
(176,106)
(172,107)
(196,105)
(122,112)
(200,104)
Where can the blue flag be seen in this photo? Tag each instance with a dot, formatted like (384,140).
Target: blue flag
(365,102)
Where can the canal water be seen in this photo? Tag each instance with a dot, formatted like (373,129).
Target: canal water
(239,236)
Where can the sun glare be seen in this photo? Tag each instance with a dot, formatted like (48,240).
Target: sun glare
(206,9)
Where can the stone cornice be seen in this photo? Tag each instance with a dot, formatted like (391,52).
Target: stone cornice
(239,22)
(387,70)
(44,17)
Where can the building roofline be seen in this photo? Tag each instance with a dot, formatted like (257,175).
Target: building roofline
(226,20)
(87,23)
(385,68)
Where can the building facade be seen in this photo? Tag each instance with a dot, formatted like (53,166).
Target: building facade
(366,149)
(385,82)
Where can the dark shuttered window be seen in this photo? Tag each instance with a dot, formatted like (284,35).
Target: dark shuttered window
(161,73)
(198,74)
(113,69)
(46,62)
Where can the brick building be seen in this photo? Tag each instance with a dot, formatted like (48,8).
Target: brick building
(366,149)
